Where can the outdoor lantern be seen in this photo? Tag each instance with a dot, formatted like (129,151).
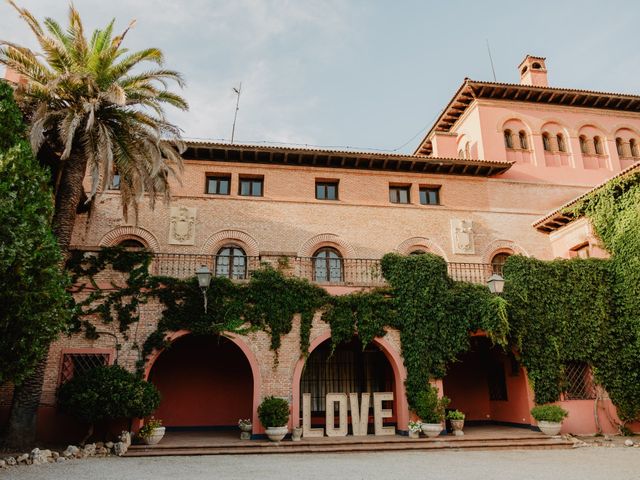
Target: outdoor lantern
(204,279)
(496,283)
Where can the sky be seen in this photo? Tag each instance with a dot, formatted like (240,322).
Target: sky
(365,74)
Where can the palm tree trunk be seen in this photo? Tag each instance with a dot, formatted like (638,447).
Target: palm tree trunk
(21,427)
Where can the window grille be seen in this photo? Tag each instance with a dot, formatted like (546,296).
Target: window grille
(78,363)
(578,382)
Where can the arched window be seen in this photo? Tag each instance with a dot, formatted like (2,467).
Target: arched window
(131,244)
(536,66)
(508,139)
(546,142)
(584,146)
(562,147)
(597,145)
(498,261)
(524,144)
(467,151)
(231,262)
(327,265)
(635,152)
(460,153)
(619,147)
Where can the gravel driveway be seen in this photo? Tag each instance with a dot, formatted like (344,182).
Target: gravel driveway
(583,463)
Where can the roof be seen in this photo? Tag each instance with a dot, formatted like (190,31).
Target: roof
(560,217)
(471,90)
(316,157)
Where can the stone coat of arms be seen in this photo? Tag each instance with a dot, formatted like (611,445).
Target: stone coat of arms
(462,236)
(182,226)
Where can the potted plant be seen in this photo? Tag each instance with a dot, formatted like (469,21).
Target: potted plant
(415,428)
(456,417)
(152,431)
(246,426)
(274,416)
(431,411)
(549,418)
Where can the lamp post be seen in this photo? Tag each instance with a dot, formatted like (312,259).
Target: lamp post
(204,280)
(496,283)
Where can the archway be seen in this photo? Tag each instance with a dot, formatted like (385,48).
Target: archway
(488,385)
(377,368)
(206,381)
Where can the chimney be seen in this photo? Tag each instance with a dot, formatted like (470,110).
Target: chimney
(533,71)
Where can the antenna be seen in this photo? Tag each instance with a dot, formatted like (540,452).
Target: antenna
(491,60)
(237,91)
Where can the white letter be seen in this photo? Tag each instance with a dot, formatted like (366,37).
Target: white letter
(379,414)
(307,431)
(332,431)
(359,415)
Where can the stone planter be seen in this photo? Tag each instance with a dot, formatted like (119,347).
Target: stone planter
(245,431)
(549,428)
(431,430)
(457,426)
(155,437)
(276,434)
(296,435)
(414,434)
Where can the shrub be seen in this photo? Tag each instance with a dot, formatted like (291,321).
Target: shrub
(273,412)
(455,415)
(429,407)
(549,413)
(108,393)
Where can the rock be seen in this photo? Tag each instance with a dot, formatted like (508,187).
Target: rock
(55,455)
(99,445)
(61,459)
(109,445)
(10,461)
(89,449)
(120,448)
(628,442)
(607,438)
(125,437)
(22,458)
(71,451)
(102,451)
(3,464)
(38,457)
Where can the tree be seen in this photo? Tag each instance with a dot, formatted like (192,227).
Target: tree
(33,299)
(108,393)
(91,109)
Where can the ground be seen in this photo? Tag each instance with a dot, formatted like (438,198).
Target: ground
(582,463)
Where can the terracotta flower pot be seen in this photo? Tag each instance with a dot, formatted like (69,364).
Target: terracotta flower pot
(276,434)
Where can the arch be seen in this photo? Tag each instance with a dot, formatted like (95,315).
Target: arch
(309,247)
(119,234)
(417,243)
(621,127)
(248,353)
(514,123)
(397,366)
(219,239)
(501,246)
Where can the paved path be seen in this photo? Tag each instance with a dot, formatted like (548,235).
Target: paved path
(584,463)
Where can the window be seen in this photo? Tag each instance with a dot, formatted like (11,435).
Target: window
(536,66)
(584,146)
(326,190)
(508,139)
(546,142)
(467,150)
(219,185)
(327,265)
(231,262)
(619,147)
(524,144)
(251,186)
(597,145)
(460,153)
(562,147)
(498,261)
(78,363)
(131,244)
(399,194)
(634,148)
(430,195)
(115,181)
(578,382)
(581,251)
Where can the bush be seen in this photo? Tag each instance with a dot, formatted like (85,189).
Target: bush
(429,407)
(108,393)
(549,413)
(273,412)
(455,415)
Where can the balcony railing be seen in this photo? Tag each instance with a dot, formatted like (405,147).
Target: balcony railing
(344,271)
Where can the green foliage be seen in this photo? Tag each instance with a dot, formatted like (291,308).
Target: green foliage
(33,300)
(549,413)
(108,393)
(149,426)
(273,412)
(455,415)
(429,407)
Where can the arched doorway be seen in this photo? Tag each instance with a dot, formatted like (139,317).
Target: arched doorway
(488,385)
(350,368)
(205,381)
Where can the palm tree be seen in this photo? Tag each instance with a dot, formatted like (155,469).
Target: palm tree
(86,103)
(92,110)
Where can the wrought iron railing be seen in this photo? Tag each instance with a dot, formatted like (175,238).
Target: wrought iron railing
(343,271)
